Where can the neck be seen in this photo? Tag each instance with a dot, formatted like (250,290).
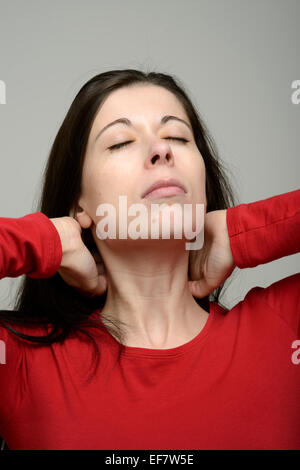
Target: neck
(148,291)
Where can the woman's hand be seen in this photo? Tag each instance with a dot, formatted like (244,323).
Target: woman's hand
(213,264)
(79,267)
(208,267)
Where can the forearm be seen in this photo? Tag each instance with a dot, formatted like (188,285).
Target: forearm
(29,245)
(265,230)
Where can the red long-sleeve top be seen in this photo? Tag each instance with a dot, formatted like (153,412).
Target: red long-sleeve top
(236,385)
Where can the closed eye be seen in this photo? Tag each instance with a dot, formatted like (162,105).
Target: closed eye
(117,146)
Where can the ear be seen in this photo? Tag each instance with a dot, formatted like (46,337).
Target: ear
(82,217)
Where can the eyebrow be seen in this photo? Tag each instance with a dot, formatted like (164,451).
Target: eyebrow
(127,122)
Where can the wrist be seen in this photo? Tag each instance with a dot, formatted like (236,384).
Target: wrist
(68,231)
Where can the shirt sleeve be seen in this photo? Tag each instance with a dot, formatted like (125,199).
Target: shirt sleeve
(261,232)
(29,245)
(265,230)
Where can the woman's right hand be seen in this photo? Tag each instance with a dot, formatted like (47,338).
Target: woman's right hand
(79,267)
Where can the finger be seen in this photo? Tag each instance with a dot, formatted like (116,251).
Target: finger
(102,285)
(99,289)
(200,288)
(196,263)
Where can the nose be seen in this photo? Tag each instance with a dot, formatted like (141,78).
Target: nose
(160,154)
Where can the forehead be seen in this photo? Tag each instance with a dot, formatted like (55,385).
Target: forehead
(140,103)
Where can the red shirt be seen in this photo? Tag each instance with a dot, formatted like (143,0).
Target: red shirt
(236,385)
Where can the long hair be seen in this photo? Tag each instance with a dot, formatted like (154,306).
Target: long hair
(52,301)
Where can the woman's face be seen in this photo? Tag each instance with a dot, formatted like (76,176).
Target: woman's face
(150,154)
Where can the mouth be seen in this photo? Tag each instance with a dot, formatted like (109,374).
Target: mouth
(164,188)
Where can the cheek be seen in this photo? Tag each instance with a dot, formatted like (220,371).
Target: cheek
(102,183)
(197,176)
(105,189)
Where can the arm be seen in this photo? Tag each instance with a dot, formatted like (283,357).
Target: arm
(265,230)
(39,247)
(29,245)
(261,232)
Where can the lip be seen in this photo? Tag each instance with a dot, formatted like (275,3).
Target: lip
(164,184)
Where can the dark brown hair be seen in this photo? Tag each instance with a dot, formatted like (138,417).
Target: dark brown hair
(52,301)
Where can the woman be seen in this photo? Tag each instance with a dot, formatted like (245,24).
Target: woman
(177,370)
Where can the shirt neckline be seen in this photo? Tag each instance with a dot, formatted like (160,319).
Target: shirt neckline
(171,352)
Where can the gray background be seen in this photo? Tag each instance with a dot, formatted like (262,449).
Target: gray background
(236,58)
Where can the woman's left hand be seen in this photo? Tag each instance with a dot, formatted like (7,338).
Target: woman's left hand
(210,266)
